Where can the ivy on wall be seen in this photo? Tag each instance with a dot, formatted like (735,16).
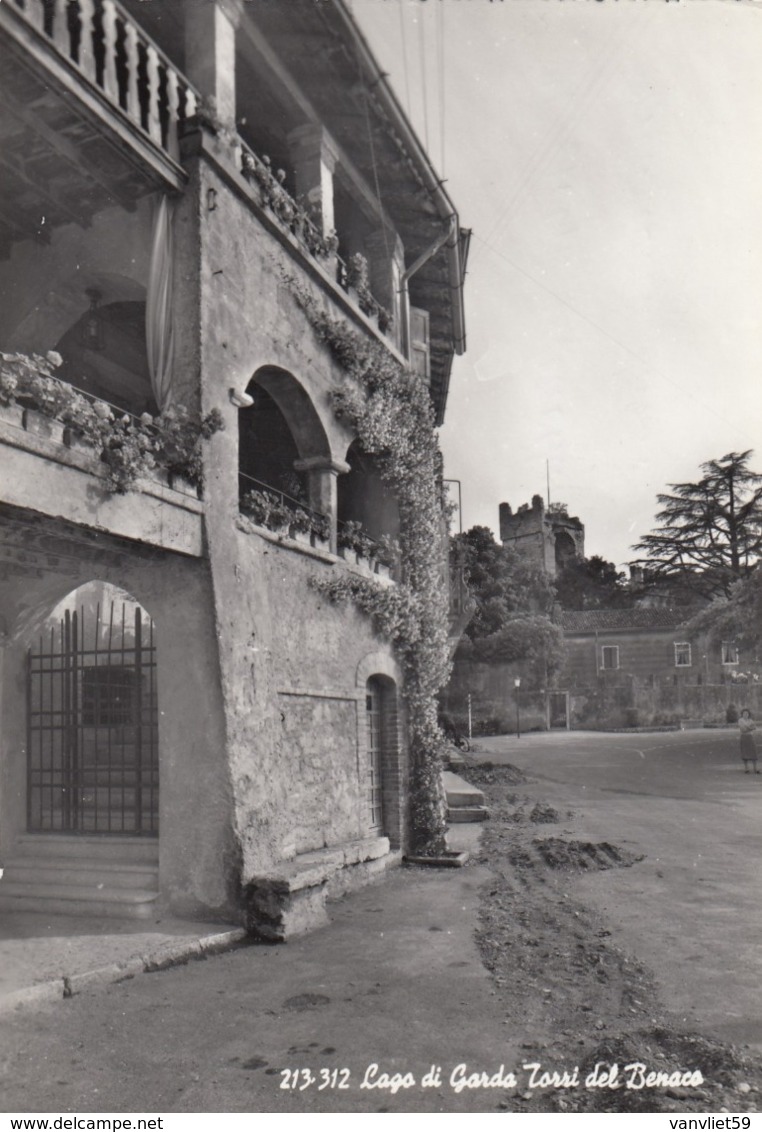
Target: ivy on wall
(389,408)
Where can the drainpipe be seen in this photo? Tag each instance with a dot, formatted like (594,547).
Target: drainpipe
(407,275)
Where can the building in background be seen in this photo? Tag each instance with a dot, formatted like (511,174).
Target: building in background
(187,189)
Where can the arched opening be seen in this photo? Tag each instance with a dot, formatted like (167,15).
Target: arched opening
(110,362)
(566,549)
(284,459)
(92,717)
(364,498)
(267,448)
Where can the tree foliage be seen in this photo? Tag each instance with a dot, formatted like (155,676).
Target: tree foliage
(708,533)
(737,618)
(592,583)
(502,582)
(514,599)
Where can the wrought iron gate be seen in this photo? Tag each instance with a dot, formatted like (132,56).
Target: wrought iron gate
(92,752)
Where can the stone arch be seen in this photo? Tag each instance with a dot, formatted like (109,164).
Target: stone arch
(298,409)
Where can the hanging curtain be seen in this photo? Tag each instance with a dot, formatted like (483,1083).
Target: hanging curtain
(160,331)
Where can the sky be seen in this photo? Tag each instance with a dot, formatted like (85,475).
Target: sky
(608,156)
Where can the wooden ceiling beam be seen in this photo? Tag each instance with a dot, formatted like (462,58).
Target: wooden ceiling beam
(67,150)
(58,205)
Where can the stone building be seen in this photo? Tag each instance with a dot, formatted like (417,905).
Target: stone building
(184,716)
(547,536)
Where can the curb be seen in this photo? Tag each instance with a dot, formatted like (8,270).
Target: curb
(168,955)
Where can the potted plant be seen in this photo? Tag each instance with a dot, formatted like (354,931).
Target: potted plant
(320,531)
(300,525)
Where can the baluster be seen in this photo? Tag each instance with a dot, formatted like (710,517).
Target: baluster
(133,65)
(190,104)
(110,81)
(61,36)
(152,69)
(35,12)
(86,56)
(173,107)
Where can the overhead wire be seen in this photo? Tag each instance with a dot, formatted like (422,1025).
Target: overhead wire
(440,11)
(406,68)
(688,393)
(605,61)
(424,78)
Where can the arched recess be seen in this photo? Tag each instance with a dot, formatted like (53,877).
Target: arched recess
(565,549)
(380,754)
(363,497)
(282,443)
(92,717)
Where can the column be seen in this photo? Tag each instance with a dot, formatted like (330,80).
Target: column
(210,27)
(322,479)
(313,156)
(386,260)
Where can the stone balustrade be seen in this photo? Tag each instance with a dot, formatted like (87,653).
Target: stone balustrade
(113,53)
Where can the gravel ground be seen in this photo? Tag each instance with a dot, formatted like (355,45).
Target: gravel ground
(582,1001)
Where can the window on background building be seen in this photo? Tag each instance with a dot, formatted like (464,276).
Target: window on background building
(729,653)
(682,654)
(610,656)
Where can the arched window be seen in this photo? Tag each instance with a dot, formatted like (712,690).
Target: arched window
(375,728)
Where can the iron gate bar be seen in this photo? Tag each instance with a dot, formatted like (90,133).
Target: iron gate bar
(95,773)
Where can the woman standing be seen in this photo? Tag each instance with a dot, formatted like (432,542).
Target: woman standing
(748,748)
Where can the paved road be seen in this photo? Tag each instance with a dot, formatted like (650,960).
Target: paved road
(691,909)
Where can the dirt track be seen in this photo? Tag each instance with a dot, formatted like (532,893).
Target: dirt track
(581,999)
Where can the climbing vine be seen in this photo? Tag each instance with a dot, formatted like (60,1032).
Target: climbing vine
(389,408)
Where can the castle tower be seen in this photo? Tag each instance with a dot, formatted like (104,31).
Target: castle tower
(548,538)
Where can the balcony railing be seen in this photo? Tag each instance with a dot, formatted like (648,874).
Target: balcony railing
(109,50)
(269,507)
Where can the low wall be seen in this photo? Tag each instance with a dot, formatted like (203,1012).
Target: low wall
(632,704)
(493,700)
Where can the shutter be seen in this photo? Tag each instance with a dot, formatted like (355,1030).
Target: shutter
(419,342)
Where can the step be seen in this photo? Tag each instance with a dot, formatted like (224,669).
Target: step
(57,846)
(459,792)
(32,871)
(467,813)
(78,900)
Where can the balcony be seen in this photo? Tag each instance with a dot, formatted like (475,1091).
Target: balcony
(92,111)
(70,455)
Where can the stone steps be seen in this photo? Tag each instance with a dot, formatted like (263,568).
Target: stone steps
(465,803)
(56,874)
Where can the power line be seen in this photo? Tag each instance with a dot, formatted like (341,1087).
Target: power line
(440,11)
(424,83)
(400,4)
(688,393)
(604,62)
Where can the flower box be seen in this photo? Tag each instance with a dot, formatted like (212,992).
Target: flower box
(78,442)
(12,415)
(39,425)
(383,569)
(300,536)
(447,860)
(320,543)
(348,555)
(179,483)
